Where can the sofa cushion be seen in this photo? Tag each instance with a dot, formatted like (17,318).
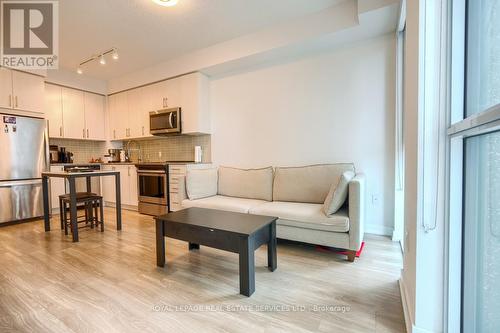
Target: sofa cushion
(309,184)
(237,205)
(338,193)
(304,215)
(246,183)
(201,183)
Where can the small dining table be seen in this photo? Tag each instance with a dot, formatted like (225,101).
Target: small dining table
(71,178)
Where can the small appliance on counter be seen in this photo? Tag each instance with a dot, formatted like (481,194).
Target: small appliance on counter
(65,156)
(54,153)
(113,155)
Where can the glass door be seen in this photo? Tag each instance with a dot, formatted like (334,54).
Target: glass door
(474,132)
(481,230)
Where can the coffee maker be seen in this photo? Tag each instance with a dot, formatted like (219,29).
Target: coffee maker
(65,156)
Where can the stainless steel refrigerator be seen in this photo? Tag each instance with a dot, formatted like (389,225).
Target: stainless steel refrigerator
(24,155)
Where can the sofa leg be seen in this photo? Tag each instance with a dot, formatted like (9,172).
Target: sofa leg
(351,255)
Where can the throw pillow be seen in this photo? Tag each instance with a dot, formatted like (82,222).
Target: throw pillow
(201,183)
(338,194)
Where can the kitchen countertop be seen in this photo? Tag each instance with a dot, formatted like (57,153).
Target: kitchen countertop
(124,163)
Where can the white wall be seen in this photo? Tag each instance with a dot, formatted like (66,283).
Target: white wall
(335,107)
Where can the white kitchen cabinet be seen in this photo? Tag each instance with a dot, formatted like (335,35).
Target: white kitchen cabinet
(138,114)
(108,185)
(132,178)
(129,111)
(73,114)
(94,116)
(21,91)
(53,110)
(57,187)
(194,102)
(118,116)
(128,185)
(5,88)
(28,91)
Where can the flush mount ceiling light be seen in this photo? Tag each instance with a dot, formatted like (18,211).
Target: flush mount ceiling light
(166,3)
(101,57)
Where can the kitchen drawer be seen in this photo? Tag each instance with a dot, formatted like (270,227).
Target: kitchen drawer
(177,170)
(175,179)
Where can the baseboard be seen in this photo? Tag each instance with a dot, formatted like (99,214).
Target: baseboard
(379,230)
(406,307)
(126,207)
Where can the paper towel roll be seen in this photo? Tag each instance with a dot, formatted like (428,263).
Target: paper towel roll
(197,154)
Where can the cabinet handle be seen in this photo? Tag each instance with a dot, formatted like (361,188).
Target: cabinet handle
(142,130)
(87,133)
(166,102)
(114,134)
(16,102)
(10,101)
(128,169)
(84,133)
(60,131)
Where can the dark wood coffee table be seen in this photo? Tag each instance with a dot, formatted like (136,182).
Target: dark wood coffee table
(233,232)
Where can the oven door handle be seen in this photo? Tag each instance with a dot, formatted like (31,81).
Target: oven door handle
(151,172)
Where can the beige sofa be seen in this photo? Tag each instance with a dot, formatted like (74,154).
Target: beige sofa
(296,195)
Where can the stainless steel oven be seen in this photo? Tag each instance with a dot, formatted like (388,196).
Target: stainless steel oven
(165,122)
(152,188)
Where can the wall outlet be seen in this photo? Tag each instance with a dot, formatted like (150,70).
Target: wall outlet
(375,199)
(159,154)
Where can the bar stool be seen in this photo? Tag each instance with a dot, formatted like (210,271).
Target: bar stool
(93,205)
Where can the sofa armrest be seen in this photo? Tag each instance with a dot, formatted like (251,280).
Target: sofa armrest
(356,211)
(182,189)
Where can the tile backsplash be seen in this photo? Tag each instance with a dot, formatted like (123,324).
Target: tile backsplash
(83,151)
(171,148)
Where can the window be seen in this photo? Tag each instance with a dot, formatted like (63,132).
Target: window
(474,175)
(483,55)
(481,242)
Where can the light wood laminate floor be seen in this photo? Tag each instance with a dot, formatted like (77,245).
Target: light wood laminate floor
(109,282)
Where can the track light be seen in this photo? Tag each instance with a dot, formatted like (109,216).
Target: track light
(101,57)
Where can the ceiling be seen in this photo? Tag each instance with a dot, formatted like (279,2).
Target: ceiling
(146,34)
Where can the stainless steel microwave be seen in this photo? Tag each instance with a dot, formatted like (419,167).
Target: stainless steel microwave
(165,122)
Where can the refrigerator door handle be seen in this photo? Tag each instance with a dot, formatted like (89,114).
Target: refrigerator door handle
(46,146)
(11,183)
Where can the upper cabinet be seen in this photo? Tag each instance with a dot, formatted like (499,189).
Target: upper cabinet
(195,111)
(118,116)
(74,114)
(129,110)
(53,110)
(94,106)
(21,91)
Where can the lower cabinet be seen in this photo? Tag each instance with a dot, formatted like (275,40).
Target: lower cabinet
(57,187)
(128,185)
